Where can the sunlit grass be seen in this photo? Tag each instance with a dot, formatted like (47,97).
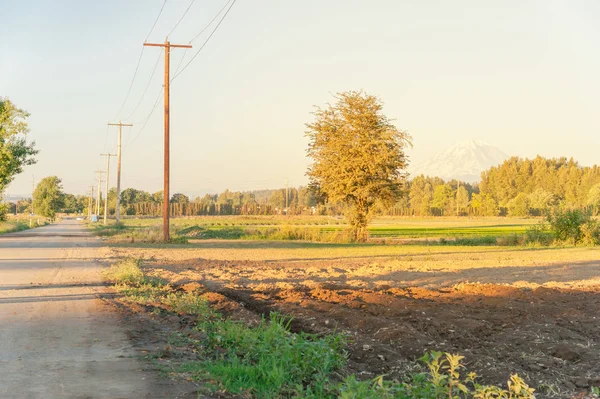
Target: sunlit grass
(312,228)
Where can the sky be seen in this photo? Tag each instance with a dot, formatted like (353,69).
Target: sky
(520,75)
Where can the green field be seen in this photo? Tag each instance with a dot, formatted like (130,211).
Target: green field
(317,228)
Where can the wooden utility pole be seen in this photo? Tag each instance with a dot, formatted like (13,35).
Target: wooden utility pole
(457,188)
(99,172)
(167,46)
(106,190)
(91,202)
(286,196)
(32,191)
(118,206)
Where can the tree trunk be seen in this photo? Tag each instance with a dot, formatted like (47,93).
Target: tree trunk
(359,219)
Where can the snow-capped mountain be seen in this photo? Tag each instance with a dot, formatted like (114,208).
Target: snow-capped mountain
(464,161)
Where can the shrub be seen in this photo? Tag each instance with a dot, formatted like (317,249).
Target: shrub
(566,224)
(4,207)
(539,234)
(590,232)
(126,272)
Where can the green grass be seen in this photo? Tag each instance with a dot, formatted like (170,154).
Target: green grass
(12,224)
(317,228)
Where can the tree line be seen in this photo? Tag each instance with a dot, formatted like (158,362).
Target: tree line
(358,170)
(518,187)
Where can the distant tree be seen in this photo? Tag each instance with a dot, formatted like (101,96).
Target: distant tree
(158,197)
(24,205)
(70,204)
(112,201)
(462,198)
(277,199)
(519,206)
(593,197)
(306,197)
(248,199)
(421,195)
(48,197)
(358,157)
(15,151)
(541,201)
(484,205)
(442,196)
(179,198)
(225,198)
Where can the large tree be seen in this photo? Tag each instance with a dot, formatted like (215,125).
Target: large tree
(358,157)
(15,151)
(48,197)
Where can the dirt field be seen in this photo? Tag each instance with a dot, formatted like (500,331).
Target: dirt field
(531,311)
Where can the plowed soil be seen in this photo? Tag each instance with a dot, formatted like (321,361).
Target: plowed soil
(541,321)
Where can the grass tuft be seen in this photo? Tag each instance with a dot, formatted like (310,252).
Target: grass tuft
(127,271)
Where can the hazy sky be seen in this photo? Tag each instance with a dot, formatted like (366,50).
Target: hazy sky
(521,75)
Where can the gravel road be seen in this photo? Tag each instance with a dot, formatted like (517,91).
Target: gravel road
(57,339)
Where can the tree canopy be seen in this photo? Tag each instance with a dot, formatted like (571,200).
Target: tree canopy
(15,151)
(358,157)
(48,197)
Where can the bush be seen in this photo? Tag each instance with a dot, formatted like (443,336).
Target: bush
(566,224)
(4,208)
(571,226)
(590,233)
(539,234)
(126,272)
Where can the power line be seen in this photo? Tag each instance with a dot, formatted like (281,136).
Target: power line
(157,17)
(181,60)
(145,120)
(181,19)
(211,21)
(139,61)
(106,139)
(200,33)
(137,67)
(146,88)
(206,41)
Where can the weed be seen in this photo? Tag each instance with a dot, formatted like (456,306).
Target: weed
(268,360)
(188,303)
(127,271)
(442,380)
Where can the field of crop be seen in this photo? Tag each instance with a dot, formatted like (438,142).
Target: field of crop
(531,311)
(317,228)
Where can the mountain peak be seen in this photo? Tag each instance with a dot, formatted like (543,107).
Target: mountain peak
(463,161)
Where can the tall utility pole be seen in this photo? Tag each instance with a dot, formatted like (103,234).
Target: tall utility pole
(107,177)
(286,196)
(457,188)
(167,46)
(118,206)
(91,202)
(32,191)
(99,172)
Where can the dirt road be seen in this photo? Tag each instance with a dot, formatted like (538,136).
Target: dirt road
(57,339)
